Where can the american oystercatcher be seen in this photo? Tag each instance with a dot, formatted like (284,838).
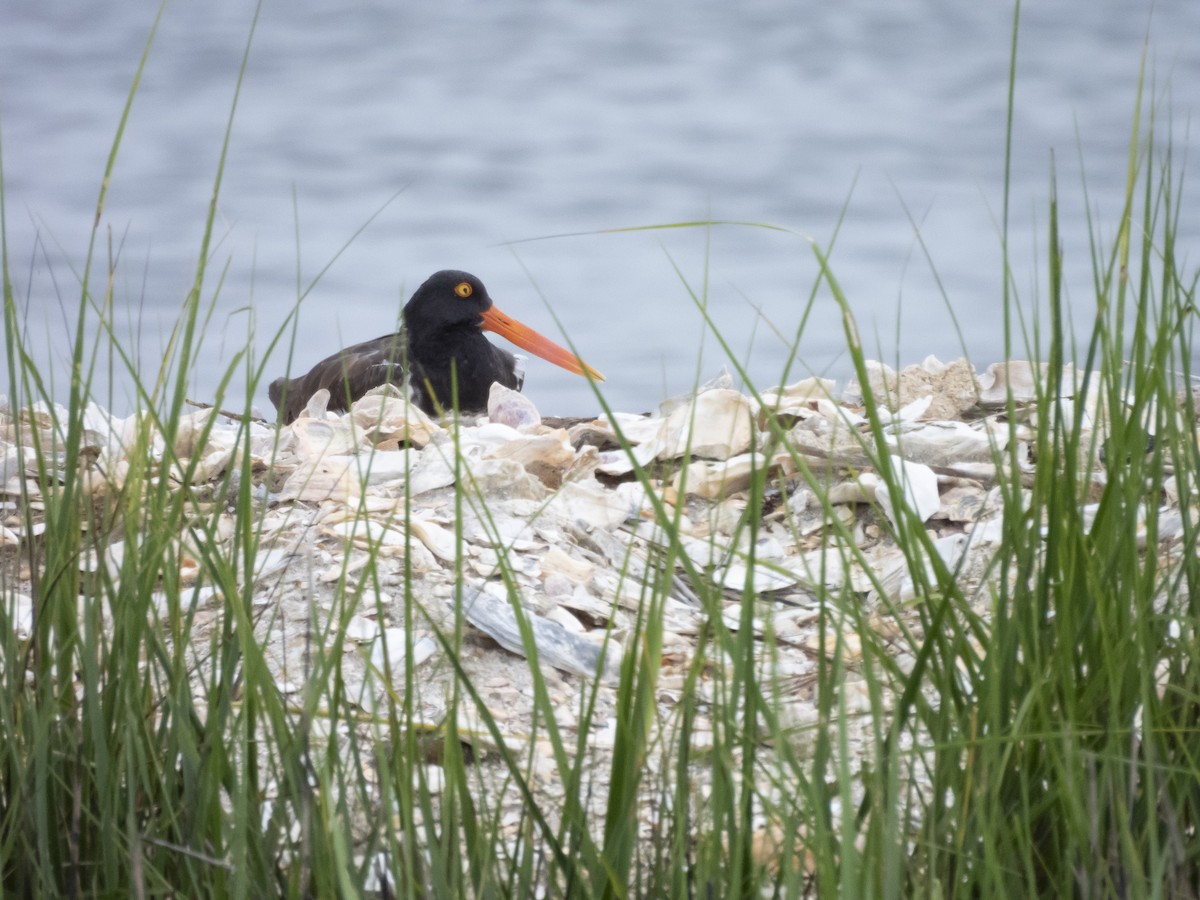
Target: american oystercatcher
(440,350)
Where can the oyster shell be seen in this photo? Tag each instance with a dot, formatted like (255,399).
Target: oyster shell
(717,424)
(920,491)
(389,417)
(512,408)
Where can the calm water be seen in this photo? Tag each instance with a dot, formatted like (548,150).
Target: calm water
(498,123)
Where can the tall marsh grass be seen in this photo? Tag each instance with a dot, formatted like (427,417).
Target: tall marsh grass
(1043,738)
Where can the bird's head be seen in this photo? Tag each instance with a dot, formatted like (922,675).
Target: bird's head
(451,299)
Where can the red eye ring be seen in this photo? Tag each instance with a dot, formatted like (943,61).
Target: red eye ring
(464,289)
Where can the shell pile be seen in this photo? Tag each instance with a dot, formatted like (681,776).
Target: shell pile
(410,536)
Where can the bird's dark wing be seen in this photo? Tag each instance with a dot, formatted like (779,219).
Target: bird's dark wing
(347,375)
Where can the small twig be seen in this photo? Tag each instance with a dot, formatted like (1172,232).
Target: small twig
(227,414)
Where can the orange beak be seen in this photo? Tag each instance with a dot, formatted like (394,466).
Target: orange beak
(528,339)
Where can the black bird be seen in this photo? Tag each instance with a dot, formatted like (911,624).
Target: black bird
(440,348)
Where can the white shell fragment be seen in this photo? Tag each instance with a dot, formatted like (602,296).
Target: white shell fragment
(512,408)
(19,609)
(389,649)
(1026,381)
(798,397)
(440,541)
(718,479)
(717,424)
(318,405)
(950,443)
(545,456)
(920,491)
(556,646)
(575,502)
(386,417)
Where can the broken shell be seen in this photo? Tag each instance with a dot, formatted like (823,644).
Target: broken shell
(320,437)
(498,479)
(318,405)
(269,561)
(950,443)
(566,620)
(556,646)
(1015,378)
(484,438)
(848,645)
(189,570)
(543,455)
(920,491)
(962,504)
(560,562)
(1025,381)
(10,462)
(440,541)
(20,611)
(798,397)
(623,461)
(950,548)
(762,578)
(189,430)
(719,479)
(360,630)
(634,429)
(717,424)
(599,613)
(910,412)
(512,408)
(860,489)
(376,537)
(323,479)
(504,479)
(213,464)
(107,560)
(392,418)
(390,649)
(593,504)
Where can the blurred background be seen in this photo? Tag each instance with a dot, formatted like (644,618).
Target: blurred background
(474,129)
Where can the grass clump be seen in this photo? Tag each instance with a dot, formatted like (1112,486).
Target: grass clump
(172,724)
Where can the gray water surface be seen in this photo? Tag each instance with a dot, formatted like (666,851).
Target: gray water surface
(497,123)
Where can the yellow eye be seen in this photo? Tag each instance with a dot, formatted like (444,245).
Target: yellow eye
(464,289)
